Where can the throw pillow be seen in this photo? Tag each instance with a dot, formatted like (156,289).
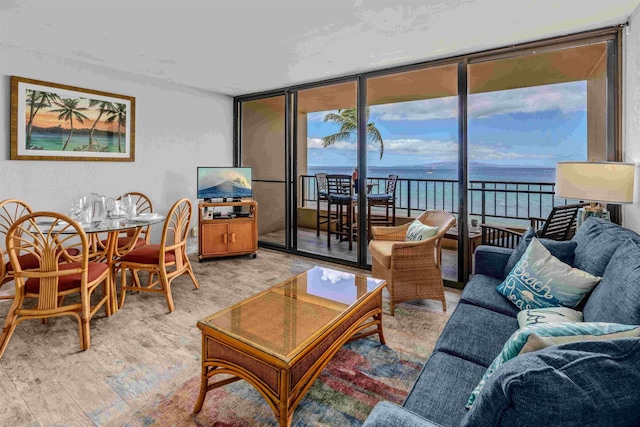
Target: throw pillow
(418,231)
(536,337)
(563,250)
(540,280)
(548,315)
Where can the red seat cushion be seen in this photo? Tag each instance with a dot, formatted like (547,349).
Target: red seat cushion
(29,261)
(71,281)
(148,254)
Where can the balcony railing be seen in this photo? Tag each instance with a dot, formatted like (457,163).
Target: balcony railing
(488,199)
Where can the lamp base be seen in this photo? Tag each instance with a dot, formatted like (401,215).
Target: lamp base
(594,208)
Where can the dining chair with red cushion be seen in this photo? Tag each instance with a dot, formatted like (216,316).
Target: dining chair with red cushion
(62,270)
(163,261)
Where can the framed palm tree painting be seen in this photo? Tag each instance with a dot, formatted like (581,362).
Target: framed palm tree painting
(51,121)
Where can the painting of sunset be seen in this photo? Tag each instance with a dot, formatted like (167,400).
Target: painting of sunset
(59,121)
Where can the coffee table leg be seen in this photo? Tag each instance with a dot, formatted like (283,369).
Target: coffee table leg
(204,385)
(378,318)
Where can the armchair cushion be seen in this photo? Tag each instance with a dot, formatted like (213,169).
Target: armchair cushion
(563,250)
(387,414)
(381,251)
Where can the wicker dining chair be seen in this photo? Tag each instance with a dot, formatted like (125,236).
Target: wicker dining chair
(412,269)
(164,261)
(53,239)
(10,211)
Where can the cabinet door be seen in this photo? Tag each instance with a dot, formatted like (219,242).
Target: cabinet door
(241,237)
(214,239)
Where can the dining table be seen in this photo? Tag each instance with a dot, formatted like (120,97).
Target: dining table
(107,249)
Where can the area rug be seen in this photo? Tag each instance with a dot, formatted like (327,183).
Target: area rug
(361,374)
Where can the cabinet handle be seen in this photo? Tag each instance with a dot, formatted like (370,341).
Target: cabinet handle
(233,237)
(225,238)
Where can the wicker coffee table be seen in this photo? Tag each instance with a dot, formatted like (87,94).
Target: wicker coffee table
(280,340)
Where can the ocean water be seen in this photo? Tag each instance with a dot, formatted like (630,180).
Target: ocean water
(450,172)
(55,142)
(511,199)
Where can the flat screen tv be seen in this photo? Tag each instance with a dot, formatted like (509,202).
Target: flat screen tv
(224,183)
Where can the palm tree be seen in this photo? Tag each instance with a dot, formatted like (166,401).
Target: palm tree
(348,120)
(119,113)
(67,111)
(36,100)
(103,107)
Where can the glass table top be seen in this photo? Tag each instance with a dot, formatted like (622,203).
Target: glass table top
(283,319)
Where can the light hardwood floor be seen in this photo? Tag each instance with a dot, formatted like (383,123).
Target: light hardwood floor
(136,355)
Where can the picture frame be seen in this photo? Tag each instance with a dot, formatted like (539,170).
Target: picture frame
(51,121)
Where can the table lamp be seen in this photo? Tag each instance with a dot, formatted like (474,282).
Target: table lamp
(595,182)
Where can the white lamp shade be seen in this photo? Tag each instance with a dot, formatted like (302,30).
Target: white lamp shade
(595,181)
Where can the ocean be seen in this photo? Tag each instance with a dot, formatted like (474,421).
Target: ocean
(515,201)
(450,172)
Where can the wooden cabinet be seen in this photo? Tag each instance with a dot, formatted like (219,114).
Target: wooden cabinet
(227,235)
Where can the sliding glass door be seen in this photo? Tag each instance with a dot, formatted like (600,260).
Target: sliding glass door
(477,135)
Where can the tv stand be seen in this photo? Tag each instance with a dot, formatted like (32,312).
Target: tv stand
(231,234)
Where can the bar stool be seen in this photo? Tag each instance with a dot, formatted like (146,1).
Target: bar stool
(341,196)
(386,200)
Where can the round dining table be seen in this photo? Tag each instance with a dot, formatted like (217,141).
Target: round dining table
(108,250)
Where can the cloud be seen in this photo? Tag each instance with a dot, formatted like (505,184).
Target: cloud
(434,150)
(565,97)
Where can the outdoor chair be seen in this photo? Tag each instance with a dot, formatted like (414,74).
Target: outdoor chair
(386,200)
(60,282)
(322,195)
(164,261)
(559,225)
(341,198)
(412,269)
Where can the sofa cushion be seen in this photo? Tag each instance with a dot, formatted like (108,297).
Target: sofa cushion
(476,334)
(491,260)
(617,298)
(541,280)
(564,251)
(543,335)
(597,240)
(548,315)
(442,388)
(591,383)
(481,291)
(386,414)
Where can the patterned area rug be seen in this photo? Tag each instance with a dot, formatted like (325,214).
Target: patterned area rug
(361,374)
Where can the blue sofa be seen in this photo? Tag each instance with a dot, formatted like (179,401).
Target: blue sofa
(581,383)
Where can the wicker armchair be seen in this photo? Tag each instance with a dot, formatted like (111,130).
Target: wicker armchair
(412,269)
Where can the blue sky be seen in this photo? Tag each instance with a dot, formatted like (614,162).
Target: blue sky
(531,126)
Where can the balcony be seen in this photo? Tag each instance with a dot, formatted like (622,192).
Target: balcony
(505,203)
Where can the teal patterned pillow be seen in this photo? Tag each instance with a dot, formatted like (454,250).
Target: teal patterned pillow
(540,280)
(542,335)
(548,315)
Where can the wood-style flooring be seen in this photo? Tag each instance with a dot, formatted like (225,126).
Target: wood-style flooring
(138,354)
(309,241)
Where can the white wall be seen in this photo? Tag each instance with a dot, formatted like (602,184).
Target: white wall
(631,113)
(177,129)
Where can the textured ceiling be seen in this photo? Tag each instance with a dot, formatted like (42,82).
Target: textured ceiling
(243,46)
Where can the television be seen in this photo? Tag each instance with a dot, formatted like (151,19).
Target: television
(224,182)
